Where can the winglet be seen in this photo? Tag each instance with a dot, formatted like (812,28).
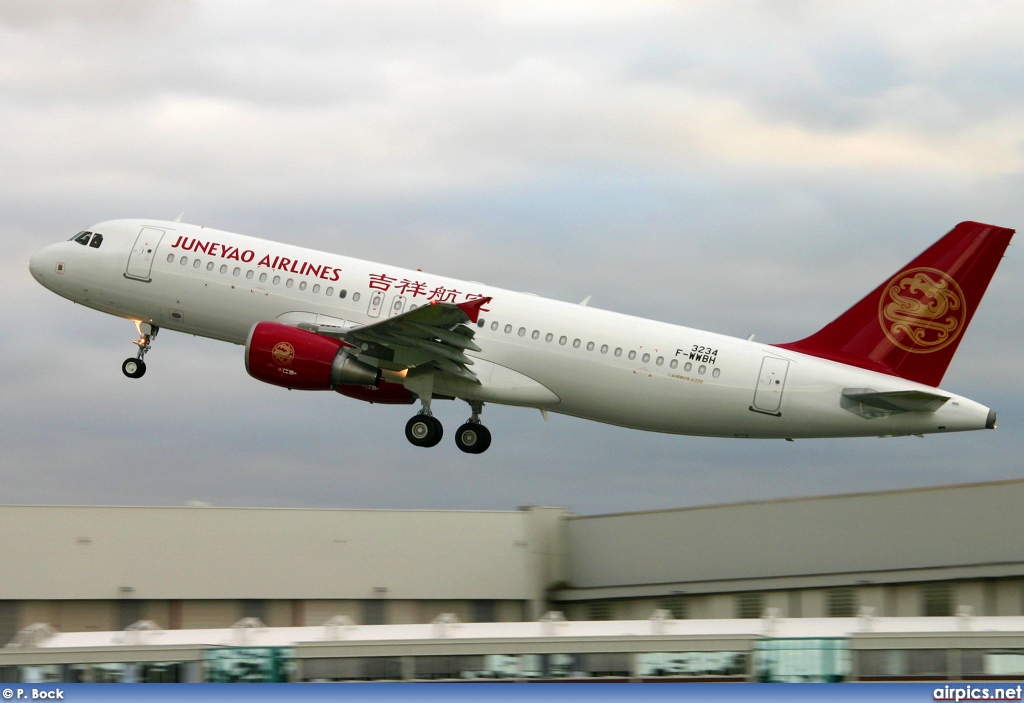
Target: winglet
(472,307)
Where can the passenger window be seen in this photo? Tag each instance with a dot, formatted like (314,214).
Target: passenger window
(342,293)
(562,340)
(618,351)
(632,355)
(288,283)
(508,329)
(302,285)
(674,363)
(183,261)
(494,326)
(646,358)
(355,297)
(196,264)
(590,346)
(330,291)
(604,348)
(687,366)
(548,337)
(249,274)
(277,279)
(716,372)
(522,331)
(170,258)
(236,272)
(223,268)
(701,369)
(263,278)
(536,334)
(481,323)
(209,266)
(83,238)
(97,239)
(660,361)
(316,287)
(575,344)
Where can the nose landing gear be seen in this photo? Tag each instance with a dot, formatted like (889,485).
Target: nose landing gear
(136,367)
(472,437)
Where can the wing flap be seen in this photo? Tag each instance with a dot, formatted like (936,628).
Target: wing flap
(434,335)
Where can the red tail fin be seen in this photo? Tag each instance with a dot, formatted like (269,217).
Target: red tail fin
(911,325)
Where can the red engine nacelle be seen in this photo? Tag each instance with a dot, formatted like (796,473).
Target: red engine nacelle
(293,358)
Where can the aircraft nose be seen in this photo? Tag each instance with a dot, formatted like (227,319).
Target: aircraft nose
(42,263)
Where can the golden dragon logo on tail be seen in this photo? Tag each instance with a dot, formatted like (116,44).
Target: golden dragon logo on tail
(922,310)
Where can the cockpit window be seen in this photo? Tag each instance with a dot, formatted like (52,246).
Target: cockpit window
(97,239)
(82,238)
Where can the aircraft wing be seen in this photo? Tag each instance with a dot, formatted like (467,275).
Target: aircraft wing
(434,334)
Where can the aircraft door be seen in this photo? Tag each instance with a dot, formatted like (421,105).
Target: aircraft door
(770,384)
(140,261)
(397,306)
(376,304)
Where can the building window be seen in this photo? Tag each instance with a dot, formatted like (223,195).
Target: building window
(129,612)
(255,609)
(841,602)
(749,605)
(676,605)
(8,621)
(375,612)
(795,604)
(599,610)
(484,611)
(936,600)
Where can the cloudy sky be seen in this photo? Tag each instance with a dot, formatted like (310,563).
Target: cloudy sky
(743,167)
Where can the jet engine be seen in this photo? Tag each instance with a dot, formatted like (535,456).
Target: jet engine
(286,356)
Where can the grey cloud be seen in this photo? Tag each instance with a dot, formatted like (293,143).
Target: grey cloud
(582,152)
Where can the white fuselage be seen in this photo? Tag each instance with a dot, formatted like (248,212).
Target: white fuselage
(611,367)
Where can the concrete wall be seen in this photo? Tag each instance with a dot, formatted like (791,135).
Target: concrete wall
(892,531)
(67,553)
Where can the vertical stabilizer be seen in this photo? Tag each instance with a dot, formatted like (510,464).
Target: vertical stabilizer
(911,325)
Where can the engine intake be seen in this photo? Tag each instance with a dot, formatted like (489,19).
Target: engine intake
(292,358)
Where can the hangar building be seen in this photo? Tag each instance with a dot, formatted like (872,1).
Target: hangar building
(911,553)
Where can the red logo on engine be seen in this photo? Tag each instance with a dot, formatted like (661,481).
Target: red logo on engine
(922,310)
(283,353)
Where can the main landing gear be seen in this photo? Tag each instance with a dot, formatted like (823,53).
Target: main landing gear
(425,430)
(136,367)
(472,437)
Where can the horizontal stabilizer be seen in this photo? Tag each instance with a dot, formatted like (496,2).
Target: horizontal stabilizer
(871,403)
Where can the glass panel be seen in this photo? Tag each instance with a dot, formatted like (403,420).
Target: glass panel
(248,664)
(352,669)
(692,664)
(1006,662)
(799,660)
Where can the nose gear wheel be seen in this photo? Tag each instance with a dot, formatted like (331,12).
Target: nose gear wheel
(136,367)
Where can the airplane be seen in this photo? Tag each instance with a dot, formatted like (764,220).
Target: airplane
(311,320)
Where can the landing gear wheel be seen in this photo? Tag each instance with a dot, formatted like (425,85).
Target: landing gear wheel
(133,368)
(424,430)
(473,438)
